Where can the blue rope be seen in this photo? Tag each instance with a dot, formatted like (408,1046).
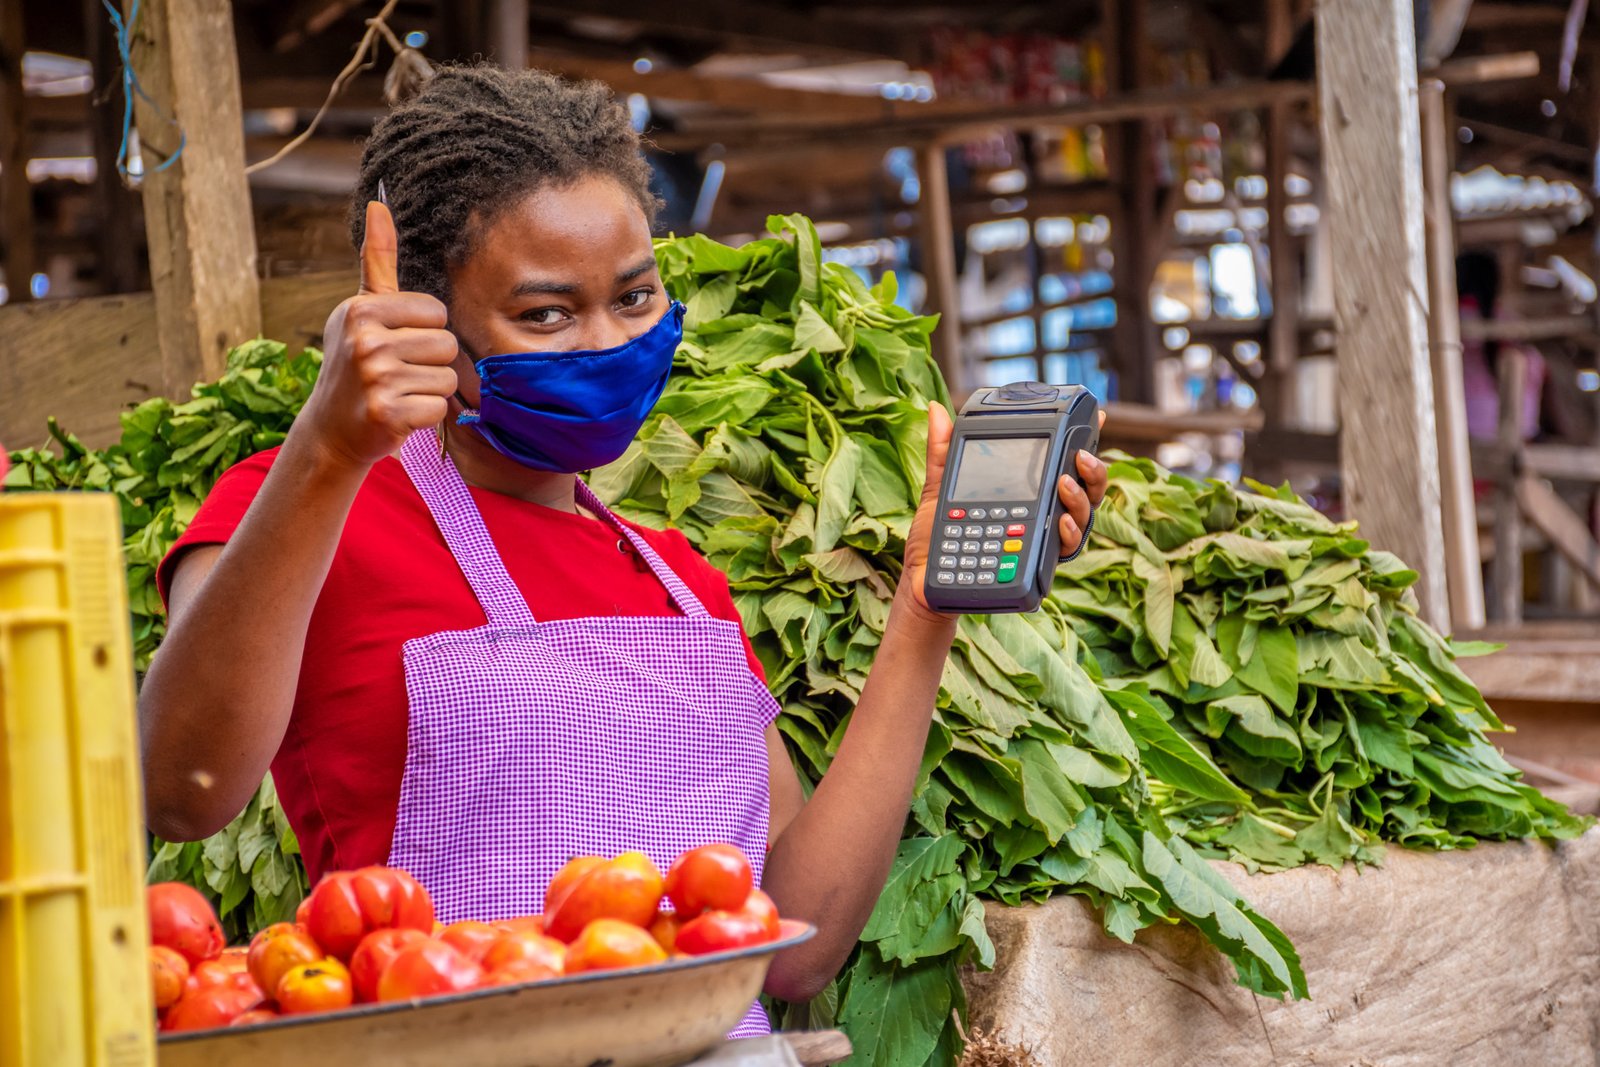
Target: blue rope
(130,86)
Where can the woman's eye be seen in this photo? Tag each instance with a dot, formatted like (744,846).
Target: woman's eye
(542,316)
(638,298)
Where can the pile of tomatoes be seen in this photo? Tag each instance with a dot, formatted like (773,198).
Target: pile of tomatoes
(369,935)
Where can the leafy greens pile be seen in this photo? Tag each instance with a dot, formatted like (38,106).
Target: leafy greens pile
(1222,673)
(1253,627)
(789,448)
(169,457)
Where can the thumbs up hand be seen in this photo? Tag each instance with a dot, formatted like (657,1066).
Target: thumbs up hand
(386,368)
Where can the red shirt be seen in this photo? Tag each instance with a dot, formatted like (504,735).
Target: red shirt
(338,770)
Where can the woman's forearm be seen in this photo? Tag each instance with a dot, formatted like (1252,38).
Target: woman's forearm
(216,701)
(830,864)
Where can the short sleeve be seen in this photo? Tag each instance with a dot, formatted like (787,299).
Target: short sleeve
(220,513)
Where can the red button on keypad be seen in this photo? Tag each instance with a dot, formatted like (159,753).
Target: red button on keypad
(958,513)
(1016,529)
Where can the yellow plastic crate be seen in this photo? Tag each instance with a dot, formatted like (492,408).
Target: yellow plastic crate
(74,976)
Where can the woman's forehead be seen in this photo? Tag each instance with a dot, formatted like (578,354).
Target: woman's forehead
(591,231)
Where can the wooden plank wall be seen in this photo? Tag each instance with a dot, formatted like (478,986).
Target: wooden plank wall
(86,361)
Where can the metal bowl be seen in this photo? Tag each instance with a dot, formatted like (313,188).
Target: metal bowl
(641,1017)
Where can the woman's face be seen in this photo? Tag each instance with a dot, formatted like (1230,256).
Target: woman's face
(568,269)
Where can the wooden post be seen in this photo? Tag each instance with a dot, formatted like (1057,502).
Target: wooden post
(117,246)
(1283,329)
(1278,29)
(1130,144)
(1463,567)
(1507,573)
(1388,447)
(939,270)
(16,194)
(508,33)
(197,211)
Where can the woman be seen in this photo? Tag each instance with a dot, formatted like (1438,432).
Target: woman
(453,657)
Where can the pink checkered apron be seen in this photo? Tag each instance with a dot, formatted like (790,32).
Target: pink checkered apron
(532,742)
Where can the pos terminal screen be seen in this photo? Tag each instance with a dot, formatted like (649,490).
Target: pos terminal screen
(999,468)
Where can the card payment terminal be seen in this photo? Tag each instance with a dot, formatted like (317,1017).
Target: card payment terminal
(997,535)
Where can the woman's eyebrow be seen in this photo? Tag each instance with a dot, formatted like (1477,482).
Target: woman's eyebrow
(643,266)
(535,286)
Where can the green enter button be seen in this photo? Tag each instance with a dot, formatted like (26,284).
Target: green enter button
(1008,568)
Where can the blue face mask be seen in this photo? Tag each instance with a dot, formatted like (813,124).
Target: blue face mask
(574,411)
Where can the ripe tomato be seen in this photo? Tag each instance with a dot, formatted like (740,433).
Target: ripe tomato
(470,937)
(713,877)
(205,1009)
(302,913)
(517,972)
(427,969)
(223,971)
(608,944)
(253,1016)
(718,931)
(759,906)
(627,888)
(312,987)
(181,919)
(665,930)
(277,950)
(348,905)
(525,945)
(571,873)
(533,923)
(373,956)
(168,972)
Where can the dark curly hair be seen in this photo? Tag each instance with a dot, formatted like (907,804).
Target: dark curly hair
(476,140)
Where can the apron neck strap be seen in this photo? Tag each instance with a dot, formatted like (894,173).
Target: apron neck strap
(687,602)
(457,517)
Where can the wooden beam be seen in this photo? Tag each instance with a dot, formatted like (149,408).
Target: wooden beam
(507,25)
(958,124)
(1567,532)
(307,18)
(1367,84)
(295,309)
(1125,26)
(734,94)
(1558,462)
(1531,142)
(1293,446)
(1480,70)
(1283,331)
(197,210)
(1278,32)
(939,269)
(1446,20)
(1487,15)
(85,361)
(1506,576)
(1562,668)
(115,206)
(16,194)
(1547,328)
(1463,572)
(736,24)
(1144,424)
